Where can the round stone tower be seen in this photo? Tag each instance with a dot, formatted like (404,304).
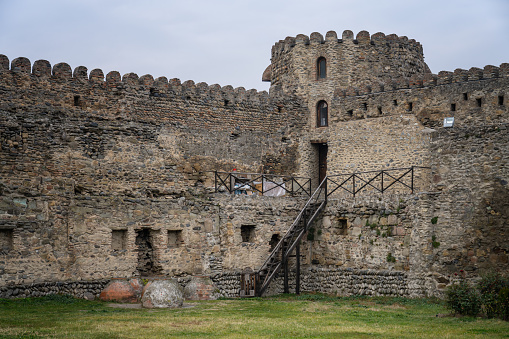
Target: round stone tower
(317,67)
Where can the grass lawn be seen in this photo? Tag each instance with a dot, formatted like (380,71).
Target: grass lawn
(287,316)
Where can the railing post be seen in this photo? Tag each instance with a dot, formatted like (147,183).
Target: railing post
(353,184)
(286,288)
(326,192)
(215,180)
(382,181)
(412,184)
(263,176)
(297,277)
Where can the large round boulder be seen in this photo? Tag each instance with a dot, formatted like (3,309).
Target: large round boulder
(162,294)
(119,290)
(201,288)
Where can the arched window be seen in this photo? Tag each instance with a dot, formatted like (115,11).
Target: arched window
(321,68)
(322,114)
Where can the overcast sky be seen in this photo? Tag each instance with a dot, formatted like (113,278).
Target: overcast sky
(229,42)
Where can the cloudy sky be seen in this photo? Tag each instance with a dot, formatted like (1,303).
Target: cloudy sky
(229,42)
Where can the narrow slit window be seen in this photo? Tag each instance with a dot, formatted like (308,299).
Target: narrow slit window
(77,100)
(453,107)
(501,100)
(365,106)
(479,102)
(321,65)
(395,102)
(410,106)
(322,114)
(379,110)
(465,96)
(350,112)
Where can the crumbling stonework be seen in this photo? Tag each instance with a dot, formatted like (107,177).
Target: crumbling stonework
(112,177)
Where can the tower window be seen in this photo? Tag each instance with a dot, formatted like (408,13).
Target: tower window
(453,107)
(410,106)
(465,96)
(321,67)
(322,114)
(365,106)
(77,101)
(395,102)
(500,100)
(479,102)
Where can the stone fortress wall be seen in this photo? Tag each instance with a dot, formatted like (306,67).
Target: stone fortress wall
(107,178)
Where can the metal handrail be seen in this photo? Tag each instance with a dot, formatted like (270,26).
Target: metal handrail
(365,182)
(284,255)
(295,183)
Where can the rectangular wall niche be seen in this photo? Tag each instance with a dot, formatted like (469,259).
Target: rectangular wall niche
(5,240)
(342,227)
(174,238)
(247,233)
(118,240)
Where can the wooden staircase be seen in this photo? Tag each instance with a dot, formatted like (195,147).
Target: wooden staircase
(256,283)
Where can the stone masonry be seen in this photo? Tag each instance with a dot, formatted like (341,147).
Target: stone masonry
(105,177)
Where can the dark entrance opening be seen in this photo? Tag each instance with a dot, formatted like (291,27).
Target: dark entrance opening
(322,162)
(147,265)
(274,240)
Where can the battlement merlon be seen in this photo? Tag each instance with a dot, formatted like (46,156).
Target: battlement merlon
(41,70)
(362,38)
(428,80)
(350,61)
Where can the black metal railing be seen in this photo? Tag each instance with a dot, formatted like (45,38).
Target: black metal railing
(257,282)
(378,181)
(258,183)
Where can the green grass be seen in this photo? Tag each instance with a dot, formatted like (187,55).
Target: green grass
(285,316)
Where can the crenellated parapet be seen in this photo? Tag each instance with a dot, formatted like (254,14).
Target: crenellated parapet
(351,60)
(331,38)
(479,95)
(161,87)
(428,80)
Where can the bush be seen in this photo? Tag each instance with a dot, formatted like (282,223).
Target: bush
(490,287)
(464,299)
(503,300)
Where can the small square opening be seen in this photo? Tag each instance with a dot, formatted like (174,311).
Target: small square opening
(118,240)
(247,233)
(342,226)
(6,243)
(350,112)
(77,100)
(453,107)
(174,238)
